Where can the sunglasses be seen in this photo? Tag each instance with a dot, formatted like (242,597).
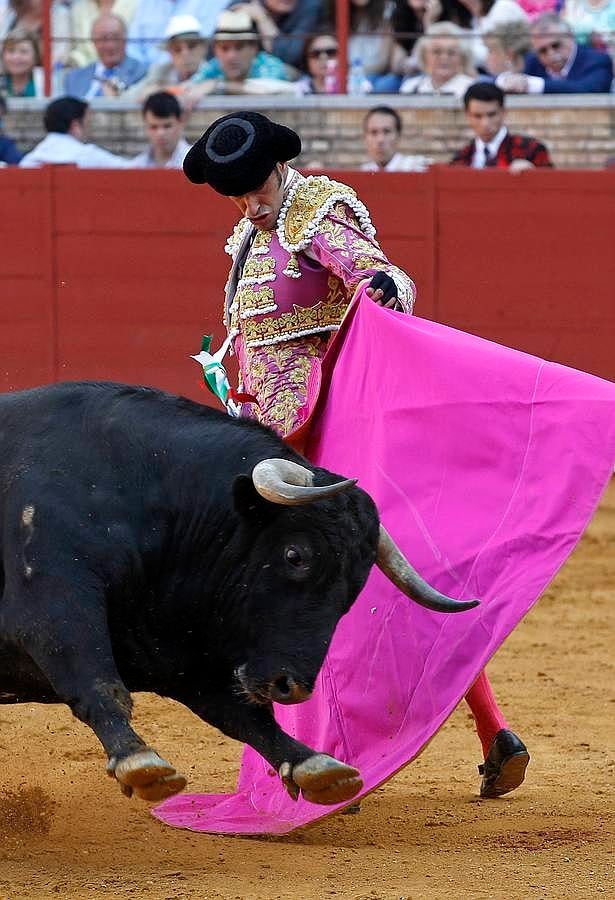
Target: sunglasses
(329,52)
(546,48)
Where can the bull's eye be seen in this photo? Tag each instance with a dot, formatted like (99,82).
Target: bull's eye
(294,557)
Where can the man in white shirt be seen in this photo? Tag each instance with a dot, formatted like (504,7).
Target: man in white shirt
(164,124)
(382,133)
(66,121)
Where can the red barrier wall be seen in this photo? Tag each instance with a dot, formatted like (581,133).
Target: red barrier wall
(116,275)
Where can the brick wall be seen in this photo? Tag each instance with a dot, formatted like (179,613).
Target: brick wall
(579,130)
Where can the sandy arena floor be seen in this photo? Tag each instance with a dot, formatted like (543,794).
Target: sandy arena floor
(65,830)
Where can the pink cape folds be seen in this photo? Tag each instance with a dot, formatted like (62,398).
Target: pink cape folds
(486,465)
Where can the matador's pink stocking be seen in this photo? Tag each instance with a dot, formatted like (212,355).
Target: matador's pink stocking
(487,714)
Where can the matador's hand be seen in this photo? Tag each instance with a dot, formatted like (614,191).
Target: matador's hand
(383,290)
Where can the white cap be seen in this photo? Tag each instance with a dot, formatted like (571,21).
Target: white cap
(183,24)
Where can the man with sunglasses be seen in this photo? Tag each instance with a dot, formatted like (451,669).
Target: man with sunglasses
(559,65)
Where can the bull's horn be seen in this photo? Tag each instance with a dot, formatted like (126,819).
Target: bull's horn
(396,567)
(288,483)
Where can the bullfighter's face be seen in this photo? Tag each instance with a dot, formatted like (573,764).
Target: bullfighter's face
(262,206)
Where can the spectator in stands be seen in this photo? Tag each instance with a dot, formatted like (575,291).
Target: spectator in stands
(239,66)
(418,15)
(507,46)
(28,15)
(10,154)
(493,145)
(83,14)
(186,46)
(382,128)
(283,25)
(445,60)
(150,20)
(22,75)
(372,44)
(559,65)
(66,122)
(320,63)
(113,71)
(164,125)
(592,22)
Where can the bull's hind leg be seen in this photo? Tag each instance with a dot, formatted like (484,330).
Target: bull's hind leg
(62,626)
(318,777)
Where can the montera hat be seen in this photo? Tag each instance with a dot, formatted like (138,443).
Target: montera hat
(239,151)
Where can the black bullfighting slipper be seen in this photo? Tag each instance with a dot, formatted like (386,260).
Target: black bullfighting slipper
(505,765)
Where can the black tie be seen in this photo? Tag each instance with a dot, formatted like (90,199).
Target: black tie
(489,159)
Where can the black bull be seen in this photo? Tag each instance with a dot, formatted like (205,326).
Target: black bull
(152,544)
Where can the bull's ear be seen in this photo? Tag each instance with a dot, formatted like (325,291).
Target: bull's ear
(248,502)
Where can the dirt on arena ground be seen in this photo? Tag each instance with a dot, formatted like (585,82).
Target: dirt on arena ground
(65,830)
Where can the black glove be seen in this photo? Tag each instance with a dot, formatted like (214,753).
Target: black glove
(382,281)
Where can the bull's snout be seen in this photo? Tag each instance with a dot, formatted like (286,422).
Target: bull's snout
(284,689)
(281,688)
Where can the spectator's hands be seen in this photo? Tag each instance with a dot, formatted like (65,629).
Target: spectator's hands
(520,165)
(512,83)
(253,8)
(383,290)
(433,11)
(259,14)
(189,93)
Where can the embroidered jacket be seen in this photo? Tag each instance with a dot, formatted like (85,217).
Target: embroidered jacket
(514,146)
(298,279)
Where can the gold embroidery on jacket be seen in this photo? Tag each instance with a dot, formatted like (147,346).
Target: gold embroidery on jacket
(255,267)
(324,316)
(261,242)
(309,205)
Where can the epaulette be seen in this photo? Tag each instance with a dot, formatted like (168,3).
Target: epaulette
(306,205)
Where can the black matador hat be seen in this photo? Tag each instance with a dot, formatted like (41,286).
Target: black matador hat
(239,151)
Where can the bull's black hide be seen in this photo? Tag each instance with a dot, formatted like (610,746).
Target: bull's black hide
(137,555)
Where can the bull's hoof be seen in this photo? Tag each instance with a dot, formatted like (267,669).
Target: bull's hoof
(322,779)
(148,775)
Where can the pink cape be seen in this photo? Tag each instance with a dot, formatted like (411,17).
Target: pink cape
(486,465)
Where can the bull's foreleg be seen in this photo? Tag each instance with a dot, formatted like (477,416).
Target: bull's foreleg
(318,777)
(64,631)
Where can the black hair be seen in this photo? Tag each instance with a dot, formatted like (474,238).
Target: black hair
(61,113)
(384,111)
(456,12)
(407,26)
(3,106)
(162,105)
(486,91)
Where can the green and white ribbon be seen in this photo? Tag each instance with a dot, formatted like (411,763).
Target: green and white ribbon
(214,373)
